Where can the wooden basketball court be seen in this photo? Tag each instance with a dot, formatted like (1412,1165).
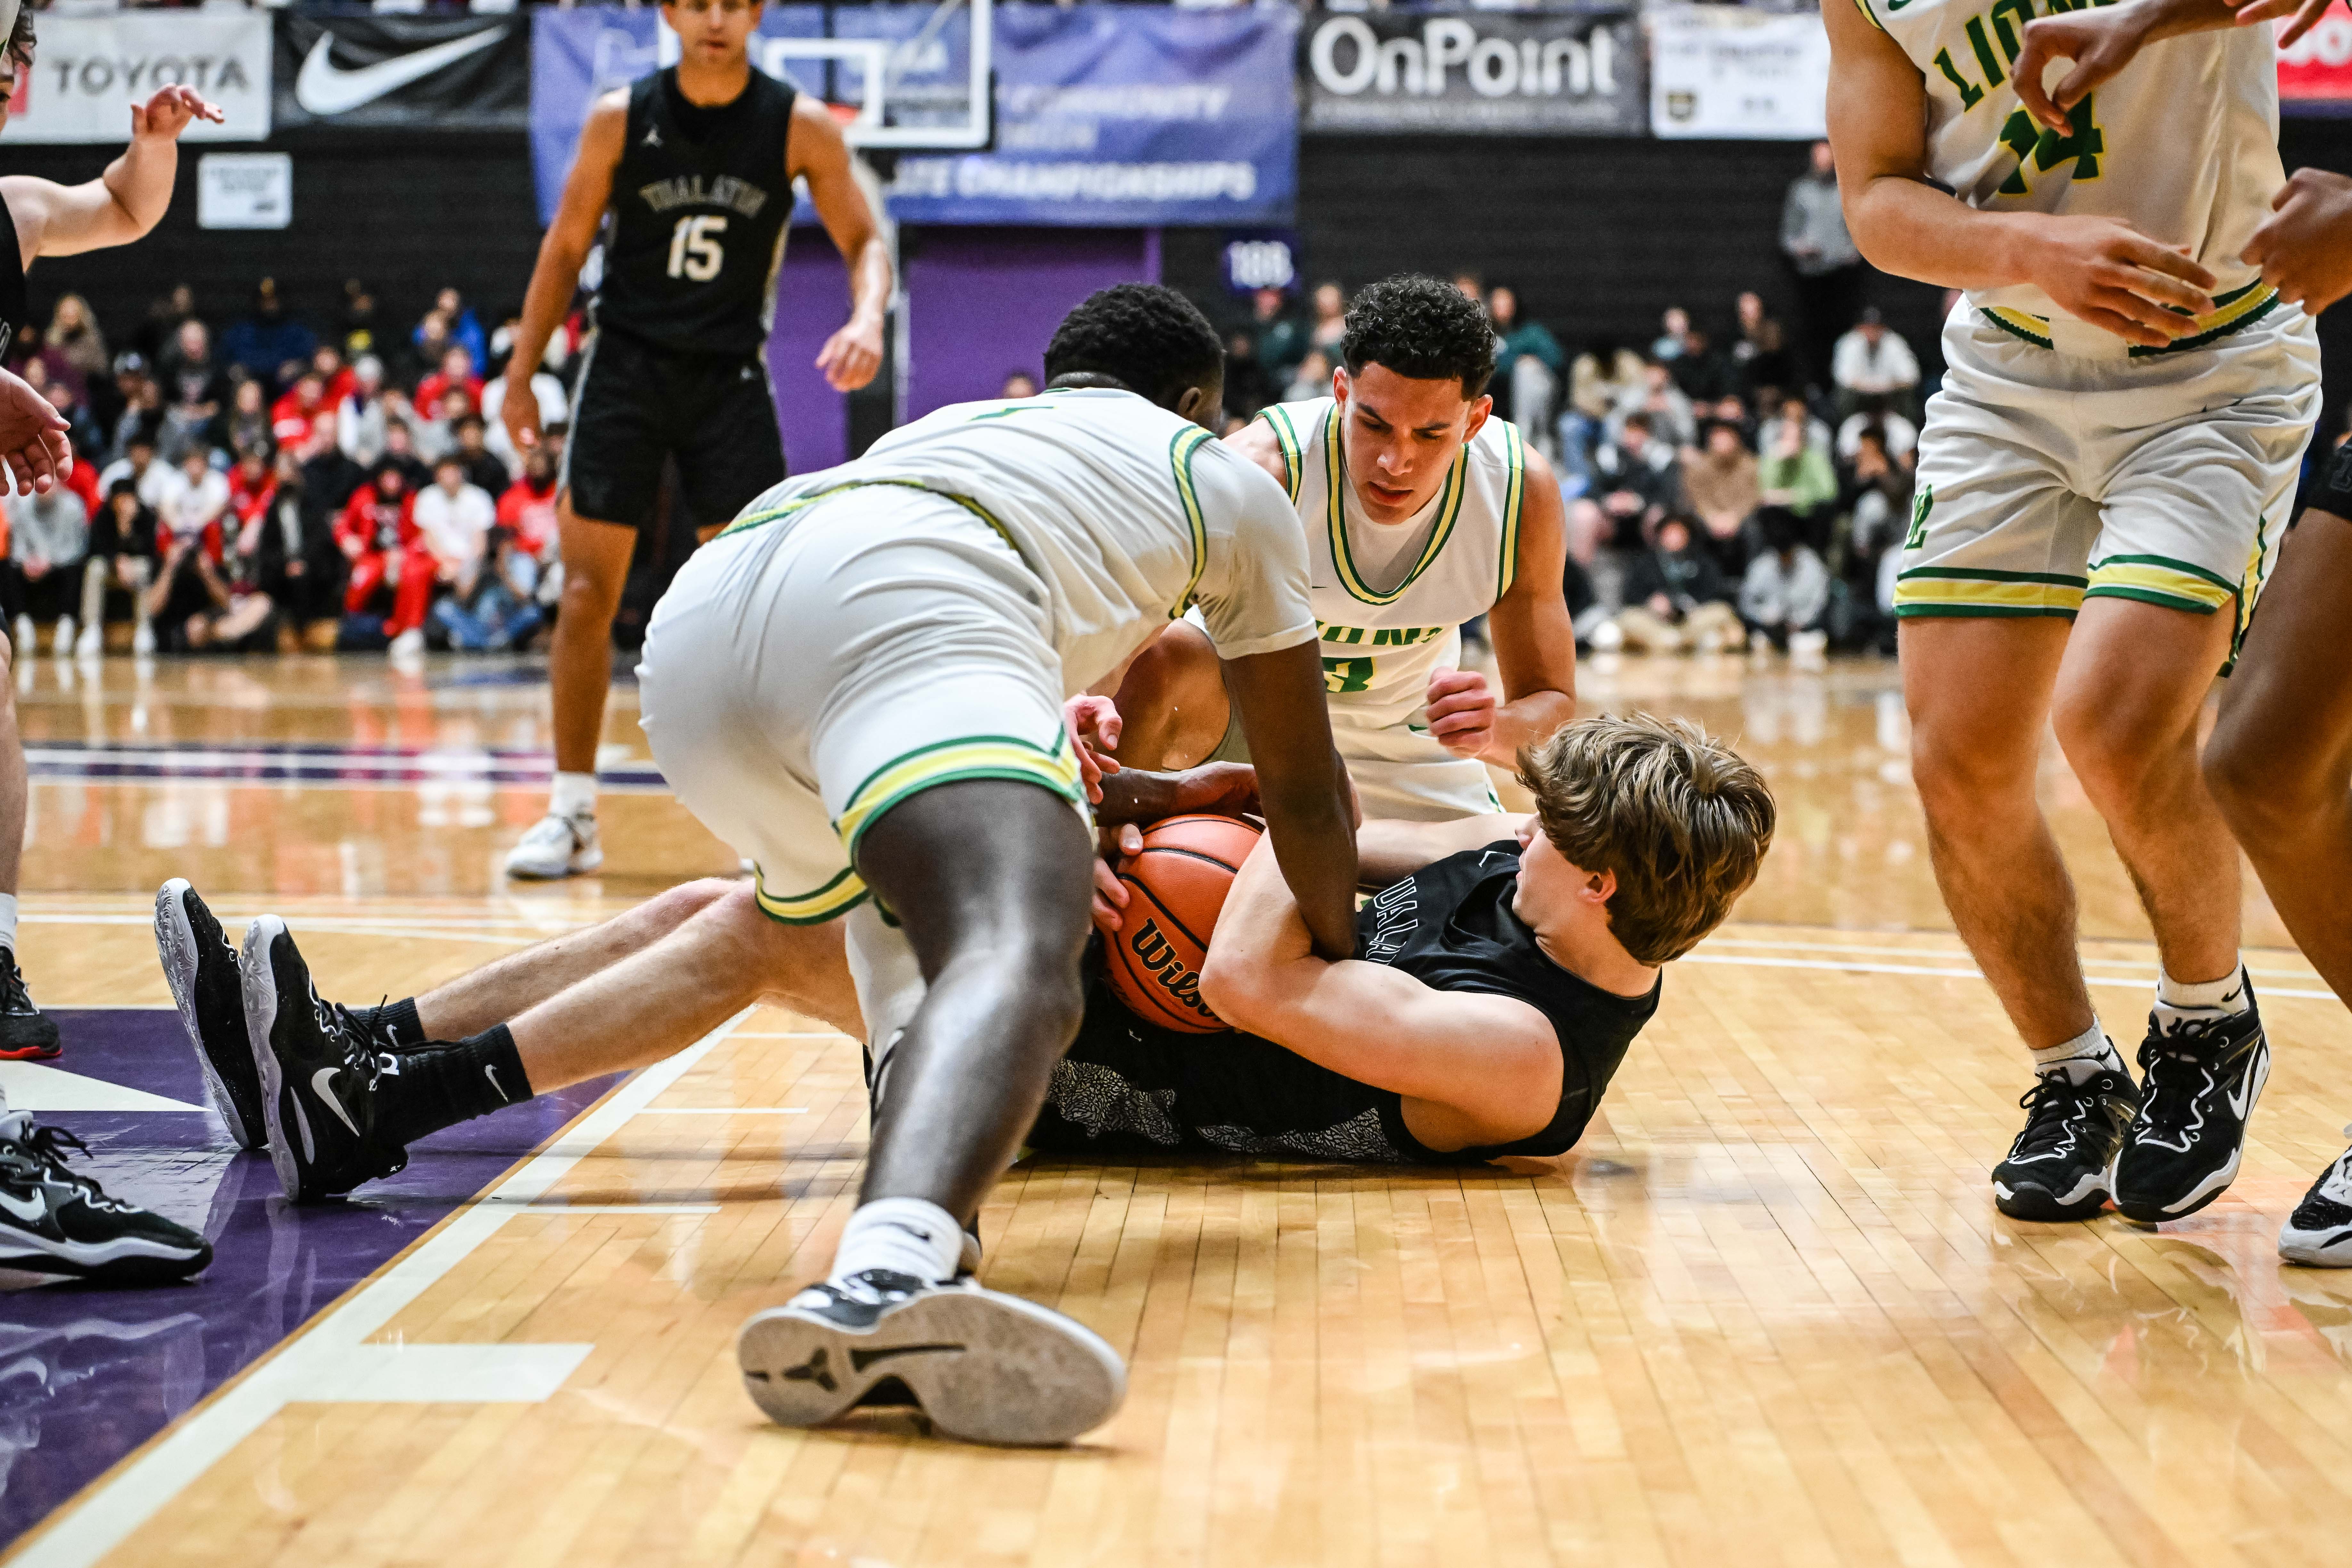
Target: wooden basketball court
(1764,1313)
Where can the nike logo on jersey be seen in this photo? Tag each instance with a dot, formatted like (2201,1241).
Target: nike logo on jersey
(653,136)
(29,1209)
(323,88)
(322,1084)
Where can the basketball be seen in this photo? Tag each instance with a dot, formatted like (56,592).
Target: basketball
(1176,886)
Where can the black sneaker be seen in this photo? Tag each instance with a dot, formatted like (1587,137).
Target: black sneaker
(53,1221)
(2319,1231)
(2203,1075)
(201,965)
(318,1067)
(984,1366)
(26,1032)
(2058,1168)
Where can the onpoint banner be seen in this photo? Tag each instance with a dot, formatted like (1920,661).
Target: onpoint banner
(1475,72)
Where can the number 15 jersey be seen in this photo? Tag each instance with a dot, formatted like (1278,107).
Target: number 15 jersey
(701,201)
(2182,145)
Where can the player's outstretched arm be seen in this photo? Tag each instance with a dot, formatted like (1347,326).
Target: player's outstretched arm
(1303,786)
(555,276)
(1535,644)
(818,155)
(2099,269)
(1486,1070)
(122,204)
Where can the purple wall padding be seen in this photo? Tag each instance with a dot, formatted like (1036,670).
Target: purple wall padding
(813,301)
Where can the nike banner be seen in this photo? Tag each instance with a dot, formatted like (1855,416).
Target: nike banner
(375,71)
(88,69)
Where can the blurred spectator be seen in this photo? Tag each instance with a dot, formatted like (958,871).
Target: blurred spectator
(247,422)
(1661,402)
(29,353)
(1018,383)
(400,448)
(1674,329)
(73,336)
(456,374)
(358,330)
(1792,411)
(1795,474)
(483,467)
(82,430)
(160,332)
(1528,366)
(309,571)
(360,417)
(1761,356)
(1328,326)
(147,473)
(187,587)
(454,516)
(49,537)
(142,405)
(1721,485)
(190,501)
(1313,378)
(238,616)
(264,342)
(1829,269)
(303,409)
(1785,595)
(555,407)
(1472,287)
(195,387)
(1249,387)
(1676,599)
(1897,435)
(1635,482)
(389,561)
(426,345)
(1877,501)
(121,564)
(1277,334)
(526,510)
(494,605)
(252,484)
(1872,361)
(465,330)
(1701,372)
(336,377)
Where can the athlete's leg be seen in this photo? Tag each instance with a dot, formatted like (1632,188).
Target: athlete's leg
(580,654)
(1172,704)
(1979,692)
(990,880)
(2129,693)
(366,576)
(2280,760)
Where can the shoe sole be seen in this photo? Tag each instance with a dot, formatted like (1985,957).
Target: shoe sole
(2147,1211)
(2317,1248)
(580,865)
(2042,1205)
(176,944)
(984,1366)
(257,984)
(128,1261)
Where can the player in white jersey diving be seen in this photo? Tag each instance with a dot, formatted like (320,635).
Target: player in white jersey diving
(2103,480)
(859,685)
(1421,512)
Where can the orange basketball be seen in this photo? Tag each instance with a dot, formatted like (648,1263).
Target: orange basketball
(1176,887)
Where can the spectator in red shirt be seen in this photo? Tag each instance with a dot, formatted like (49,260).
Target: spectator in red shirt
(457,373)
(526,510)
(301,411)
(252,484)
(335,378)
(379,536)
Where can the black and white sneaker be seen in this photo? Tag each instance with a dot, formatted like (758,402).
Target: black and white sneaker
(2059,1167)
(984,1366)
(200,962)
(318,1067)
(54,1220)
(26,1034)
(2319,1231)
(2202,1078)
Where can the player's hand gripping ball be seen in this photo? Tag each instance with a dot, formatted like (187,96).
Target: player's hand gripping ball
(1176,888)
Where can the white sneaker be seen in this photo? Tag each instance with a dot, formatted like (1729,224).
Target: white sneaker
(409,644)
(1808,647)
(1608,637)
(143,641)
(90,644)
(24,638)
(557,845)
(61,637)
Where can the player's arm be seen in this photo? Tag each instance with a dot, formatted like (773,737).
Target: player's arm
(1534,638)
(1388,851)
(1302,787)
(2101,42)
(555,276)
(816,152)
(1491,1060)
(2099,269)
(1255,441)
(122,204)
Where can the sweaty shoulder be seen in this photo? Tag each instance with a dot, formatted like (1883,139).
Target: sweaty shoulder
(1253,591)
(1257,442)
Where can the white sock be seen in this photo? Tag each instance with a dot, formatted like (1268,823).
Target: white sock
(574,795)
(2081,1058)
(2213,998)
(908,1236)
(8,921)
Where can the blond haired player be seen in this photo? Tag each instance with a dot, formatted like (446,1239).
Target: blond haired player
(2103,481)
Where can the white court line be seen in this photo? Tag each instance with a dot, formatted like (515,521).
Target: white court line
(332,1359)
(788,1035)
(438,933)
(616,1208)
(1721,941)
(724,1110)
(1850,967)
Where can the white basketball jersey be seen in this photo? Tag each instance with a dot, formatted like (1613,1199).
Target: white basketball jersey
(2182,145)
(1378,648)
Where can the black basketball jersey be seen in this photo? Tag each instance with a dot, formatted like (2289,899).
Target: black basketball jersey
(1132,1087)
(12,306)
(700,200)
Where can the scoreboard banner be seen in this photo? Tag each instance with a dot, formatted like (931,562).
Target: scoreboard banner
(2315,75)
(1578,71)
(1728,71)
(89,69)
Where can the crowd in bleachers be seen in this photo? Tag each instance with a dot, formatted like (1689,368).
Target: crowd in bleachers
(270,484)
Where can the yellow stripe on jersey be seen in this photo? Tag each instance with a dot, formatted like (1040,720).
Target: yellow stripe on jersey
(2232,313)
(1181,452)
(1285,435)
(1514,453)
(951,762)
(799,504)
(1958,591)
(2158,579)
(832,901)
(1449,509)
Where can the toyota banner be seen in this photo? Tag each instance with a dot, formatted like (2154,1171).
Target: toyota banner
(393,72)
(88,70)
(1475,73)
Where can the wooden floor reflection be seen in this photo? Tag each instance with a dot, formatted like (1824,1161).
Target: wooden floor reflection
(1764,1313)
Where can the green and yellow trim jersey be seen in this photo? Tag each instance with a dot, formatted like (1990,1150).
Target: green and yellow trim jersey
(2182,143)
(1382,639)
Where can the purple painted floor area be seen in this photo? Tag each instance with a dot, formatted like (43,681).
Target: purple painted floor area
(87,1374)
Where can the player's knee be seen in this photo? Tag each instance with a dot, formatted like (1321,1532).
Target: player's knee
(2113,751)
(591,592)
(1958,772)
(2266,791)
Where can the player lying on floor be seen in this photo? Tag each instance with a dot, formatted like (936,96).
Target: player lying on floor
(1505,965)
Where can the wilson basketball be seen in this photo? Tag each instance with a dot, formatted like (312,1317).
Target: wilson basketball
(1176,887)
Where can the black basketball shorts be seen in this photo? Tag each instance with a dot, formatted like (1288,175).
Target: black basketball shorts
(2331,482)
(634,405)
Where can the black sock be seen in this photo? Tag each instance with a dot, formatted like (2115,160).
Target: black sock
(396,1019)
(436,1086)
